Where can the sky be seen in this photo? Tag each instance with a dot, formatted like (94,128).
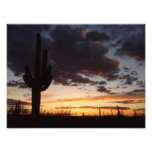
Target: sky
(92,66)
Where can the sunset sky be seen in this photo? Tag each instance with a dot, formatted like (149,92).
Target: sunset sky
(92,66)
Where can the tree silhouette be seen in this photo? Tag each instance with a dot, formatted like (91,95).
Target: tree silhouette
(41,79)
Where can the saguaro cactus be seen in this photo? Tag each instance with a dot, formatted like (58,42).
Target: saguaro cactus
(41,79)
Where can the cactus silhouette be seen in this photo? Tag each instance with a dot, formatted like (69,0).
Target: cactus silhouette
(41,79)
(100,111)
(119,113)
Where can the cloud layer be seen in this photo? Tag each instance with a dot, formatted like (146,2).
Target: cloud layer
(72,51)
(77,53)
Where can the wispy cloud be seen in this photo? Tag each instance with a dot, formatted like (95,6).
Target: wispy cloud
(130,102)
(141,109)
(99,98)
(93,107)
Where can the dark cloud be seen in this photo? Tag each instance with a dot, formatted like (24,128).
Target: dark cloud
(134,46)
(118,29)
(21,45)
(129,102)
(104,89)
(96,36)
(71,53)
(126,70)
(128,80)
(134,73)
(79,55)
(140,84)
(136,91)
(128,40)
(74,52)
(18,84)
(120,33)
(103,83)
(72,79)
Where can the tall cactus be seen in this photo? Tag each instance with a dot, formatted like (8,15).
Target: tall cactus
(41,79)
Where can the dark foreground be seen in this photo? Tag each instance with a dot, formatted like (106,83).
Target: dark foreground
(27,121)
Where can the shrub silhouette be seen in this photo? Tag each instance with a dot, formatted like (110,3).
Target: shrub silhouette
(41,79)
(17,109)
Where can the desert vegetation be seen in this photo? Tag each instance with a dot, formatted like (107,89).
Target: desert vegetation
(18,116)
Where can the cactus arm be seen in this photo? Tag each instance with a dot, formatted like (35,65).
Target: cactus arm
(38,57)
(44,68)
(43,88)
(44,63)
(47,81)
(49,69)
(28,80)
(28,77)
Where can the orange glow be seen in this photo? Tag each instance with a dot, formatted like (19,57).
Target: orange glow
(100,98)
(84,31)
(90,112)
(81,105)
(9,92)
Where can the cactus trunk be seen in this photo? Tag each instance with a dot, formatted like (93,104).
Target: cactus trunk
(36,96)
